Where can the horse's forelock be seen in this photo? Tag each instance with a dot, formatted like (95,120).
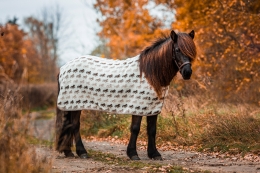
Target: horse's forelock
(186,45)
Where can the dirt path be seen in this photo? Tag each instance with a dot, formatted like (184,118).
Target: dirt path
(118,161)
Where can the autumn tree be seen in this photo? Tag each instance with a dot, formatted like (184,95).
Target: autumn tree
(11,52)
(18,61)
(227,38)
(31,55)
(127,26)
(45,33)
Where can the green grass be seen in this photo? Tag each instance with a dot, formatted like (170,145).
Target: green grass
(46,114)
(36,141)
(38,109)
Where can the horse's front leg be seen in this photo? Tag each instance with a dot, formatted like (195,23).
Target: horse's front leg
(151,132)
(135,129)
(80,149)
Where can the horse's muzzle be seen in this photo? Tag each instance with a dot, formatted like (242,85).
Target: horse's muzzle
(186,71)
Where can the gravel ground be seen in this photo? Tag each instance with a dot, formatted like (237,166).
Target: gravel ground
(190,160)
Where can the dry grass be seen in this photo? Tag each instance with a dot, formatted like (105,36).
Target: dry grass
(38,96)
(102,124)
(16,155)
(34,96)
(189,120)
(202,121)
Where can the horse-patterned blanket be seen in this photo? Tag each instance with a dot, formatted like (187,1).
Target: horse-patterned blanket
(114,86)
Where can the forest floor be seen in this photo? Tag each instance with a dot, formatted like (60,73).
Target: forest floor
(109,155)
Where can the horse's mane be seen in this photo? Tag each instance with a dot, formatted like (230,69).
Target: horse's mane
(156,61)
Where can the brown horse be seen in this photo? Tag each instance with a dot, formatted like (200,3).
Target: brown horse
(157,64)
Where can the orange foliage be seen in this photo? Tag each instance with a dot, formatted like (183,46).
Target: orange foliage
(18,59)
(128,26)
(227,36)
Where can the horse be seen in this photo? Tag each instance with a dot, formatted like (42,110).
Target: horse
(135,86)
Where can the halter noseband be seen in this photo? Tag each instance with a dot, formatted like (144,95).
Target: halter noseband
(175,60)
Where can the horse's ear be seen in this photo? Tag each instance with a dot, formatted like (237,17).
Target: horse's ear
(174,36)
(192,34)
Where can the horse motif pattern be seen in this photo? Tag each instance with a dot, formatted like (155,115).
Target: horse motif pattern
(114,86)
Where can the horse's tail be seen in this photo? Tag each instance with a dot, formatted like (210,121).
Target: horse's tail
(64,134)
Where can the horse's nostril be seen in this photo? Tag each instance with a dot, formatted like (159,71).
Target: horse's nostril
(186,72)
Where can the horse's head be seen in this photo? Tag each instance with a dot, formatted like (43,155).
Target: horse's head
(184,51)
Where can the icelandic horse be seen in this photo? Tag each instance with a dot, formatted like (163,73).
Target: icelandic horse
(156,66)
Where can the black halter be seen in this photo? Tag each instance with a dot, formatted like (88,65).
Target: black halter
(175,60)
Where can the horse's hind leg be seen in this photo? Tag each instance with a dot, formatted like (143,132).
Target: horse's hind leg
(135,129)
(151,132)
(64,135)
(80,150)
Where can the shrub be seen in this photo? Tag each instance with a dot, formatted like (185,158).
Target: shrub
(16,155)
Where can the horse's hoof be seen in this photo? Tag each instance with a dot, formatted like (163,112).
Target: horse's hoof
(84,156)
(135,157)
(69,155)
(157,158)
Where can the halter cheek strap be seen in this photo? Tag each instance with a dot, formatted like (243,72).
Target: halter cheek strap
(175,60)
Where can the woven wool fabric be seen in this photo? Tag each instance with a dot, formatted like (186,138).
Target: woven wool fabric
(114,86)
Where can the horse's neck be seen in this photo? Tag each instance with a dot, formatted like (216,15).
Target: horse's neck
(169,71)
(166,78)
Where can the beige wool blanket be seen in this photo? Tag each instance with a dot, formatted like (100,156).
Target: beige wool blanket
(113,86)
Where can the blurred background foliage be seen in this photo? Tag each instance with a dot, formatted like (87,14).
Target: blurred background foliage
(29,54)
(227,39)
